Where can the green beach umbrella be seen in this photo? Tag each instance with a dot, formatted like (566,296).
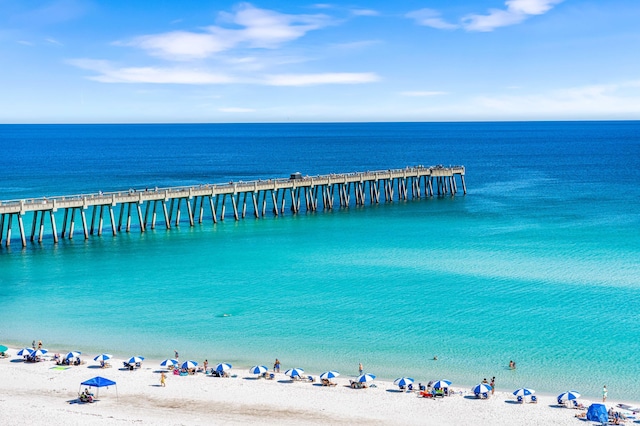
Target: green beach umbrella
(3,348)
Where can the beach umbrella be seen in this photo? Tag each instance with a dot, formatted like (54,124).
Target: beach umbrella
(481,388)
(103,357)
(293,372)
(3,348)
(187,365)
(25,352)
(523,392)
(364,378)
(73,354)
(258,369)
(441,384)
(329,375)
(223,366)
(403,381)
(169,362)
(568,396)
(39,352)
(135,359)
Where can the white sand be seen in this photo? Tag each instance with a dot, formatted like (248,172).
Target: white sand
(37,394)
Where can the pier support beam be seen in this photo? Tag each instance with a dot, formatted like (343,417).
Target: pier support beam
(54,231)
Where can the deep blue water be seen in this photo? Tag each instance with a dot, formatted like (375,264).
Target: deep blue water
(537,263)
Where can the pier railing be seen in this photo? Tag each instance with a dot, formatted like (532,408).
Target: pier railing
(271,194)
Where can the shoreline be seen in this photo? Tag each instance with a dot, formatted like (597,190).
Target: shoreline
(202,399)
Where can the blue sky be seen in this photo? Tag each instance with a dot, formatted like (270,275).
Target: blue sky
(77,61)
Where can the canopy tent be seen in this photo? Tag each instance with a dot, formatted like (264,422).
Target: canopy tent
(99,382)
(598,413)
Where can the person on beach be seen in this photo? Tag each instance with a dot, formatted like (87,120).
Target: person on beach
(276,366)
(604,393)
(39,344)
(360,368)
(33,344)
(205,364)
(163,378)
(175,355)
(512,365)
(493,385)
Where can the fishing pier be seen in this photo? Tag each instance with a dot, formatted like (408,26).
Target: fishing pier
(215,201)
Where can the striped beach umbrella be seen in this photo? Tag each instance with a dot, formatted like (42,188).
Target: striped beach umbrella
(103,357)
(169,363)
(39,352)
(293,372)
(135,359)
(568,396)
(258,369)
(223,366)
(481,388)
(441,384)
(25,352)
(188,365)
(523,392)
(365,378)
(73,354)
(329,375)
(403,381)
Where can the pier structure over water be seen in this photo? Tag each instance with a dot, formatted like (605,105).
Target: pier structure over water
(262,196)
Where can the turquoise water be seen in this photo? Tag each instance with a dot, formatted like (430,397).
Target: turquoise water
(539,263)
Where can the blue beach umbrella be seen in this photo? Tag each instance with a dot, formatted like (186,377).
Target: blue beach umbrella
(481,388)
(103,357)
(441,384)
(39,352)
(169,362)
(365,378)
(293,372)
(25,352)
(187,365)
(523,392)
(258,369)
(329,375)
(135,359)
(568,396)
(223,366)
(73,354)
(403,381)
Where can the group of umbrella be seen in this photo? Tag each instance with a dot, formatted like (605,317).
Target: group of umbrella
(298,373)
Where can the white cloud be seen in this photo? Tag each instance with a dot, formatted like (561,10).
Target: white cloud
(323,78)
(248,25)
(422,93)
(25,43)
(430,18)
(53,41)
(107,73)
(516,12)
(236,110)
(365,12)
(355,45)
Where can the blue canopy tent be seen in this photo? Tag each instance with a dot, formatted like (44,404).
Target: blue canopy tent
(598,413)
(99,382)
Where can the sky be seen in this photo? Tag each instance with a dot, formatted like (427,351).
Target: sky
(128,61)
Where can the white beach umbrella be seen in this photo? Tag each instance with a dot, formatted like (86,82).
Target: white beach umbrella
(73,354)
(523,392)
(189,365)
(329,375)
(258,369)
(293,372)
(365,378)
(103,357)
(39,352)
(169,362)
(135,359)
(403,381)
(568,396)
(223,366)
(481,388)
(441,384)
(24,352)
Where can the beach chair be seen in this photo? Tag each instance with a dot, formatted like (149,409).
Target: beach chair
(520,399)
(311,378)
(410,388)
(438,393)
(422,387)
(485,395)
(534,399)
(425,394)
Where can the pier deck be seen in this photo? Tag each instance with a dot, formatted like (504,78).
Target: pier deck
(264,195)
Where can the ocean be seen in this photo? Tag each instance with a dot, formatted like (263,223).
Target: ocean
(539,263)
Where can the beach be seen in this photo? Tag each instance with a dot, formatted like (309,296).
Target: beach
(43,393)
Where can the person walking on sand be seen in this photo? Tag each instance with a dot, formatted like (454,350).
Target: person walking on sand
(360,368)
(163,378)
(493,385)
(604,393)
